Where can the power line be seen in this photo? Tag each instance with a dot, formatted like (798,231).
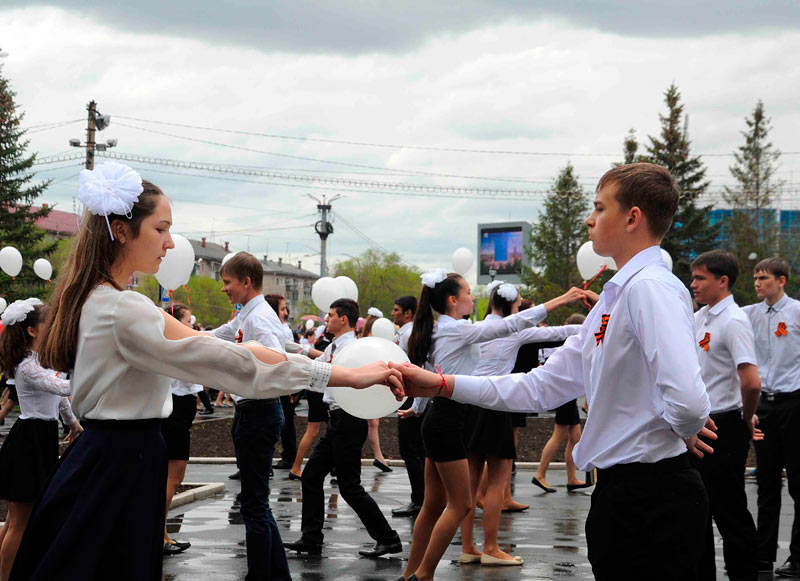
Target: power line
(51,125)
(400,146)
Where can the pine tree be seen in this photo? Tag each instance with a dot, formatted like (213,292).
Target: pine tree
(631,148)
(556,237)
(17,194)
(691,233)
(752,229)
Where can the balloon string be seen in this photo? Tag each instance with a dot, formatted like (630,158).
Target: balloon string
(599,272)
(188,300)
(171,303)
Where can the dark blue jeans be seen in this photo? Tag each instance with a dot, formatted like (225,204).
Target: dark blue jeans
(257,427)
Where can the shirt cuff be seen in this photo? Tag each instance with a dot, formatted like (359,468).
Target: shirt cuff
(467,389)
(320,374)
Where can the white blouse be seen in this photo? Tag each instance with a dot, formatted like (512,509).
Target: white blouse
(178,387)
(124,363)
(42,394)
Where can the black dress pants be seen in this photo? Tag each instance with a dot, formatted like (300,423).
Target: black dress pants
(780,448)
(723,476)
(288,434)
(647,521)
(340,448)
(409,435)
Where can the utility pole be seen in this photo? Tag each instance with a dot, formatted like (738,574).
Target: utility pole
(90,130)
(324,229)
(95,122)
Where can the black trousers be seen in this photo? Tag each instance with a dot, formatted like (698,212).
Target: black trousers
(409,435)
(723,476)
(205,400)
(647,521)
(340,448)
(288,433)
(780,448)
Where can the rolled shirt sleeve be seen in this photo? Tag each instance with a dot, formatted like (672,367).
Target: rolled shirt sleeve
(487,330)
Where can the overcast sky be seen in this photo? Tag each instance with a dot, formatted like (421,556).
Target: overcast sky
(564,78)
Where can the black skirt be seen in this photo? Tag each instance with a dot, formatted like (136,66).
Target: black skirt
(443,430)
(177,427)
(317,409)
(102,514)
(493,435)
(27,459)
(567,414)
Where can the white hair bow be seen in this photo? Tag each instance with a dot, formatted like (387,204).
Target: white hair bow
(375,312)
(493,285)
(508,292)
(110,188)
(433,277)
(18,311)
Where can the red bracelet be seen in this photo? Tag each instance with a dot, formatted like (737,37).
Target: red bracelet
(444,385)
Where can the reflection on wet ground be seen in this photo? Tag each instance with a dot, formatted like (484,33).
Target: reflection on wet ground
(549,536)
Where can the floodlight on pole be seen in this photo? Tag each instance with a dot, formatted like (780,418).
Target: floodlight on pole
(323,228)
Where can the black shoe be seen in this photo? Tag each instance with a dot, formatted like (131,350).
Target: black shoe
(765,567)
(302,546)
(381,549)
(571,487)
(381,466)
(208,412)
(293,476)
(234,476)
(182,544)
(173,549)
(334,482)
(790,568)
(282,465)
(513,467)
(409,509)
(542,486)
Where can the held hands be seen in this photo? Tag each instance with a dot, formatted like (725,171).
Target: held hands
(404,414)
(377,373)
(755,433)
(572,295)
(74,431)
(422,383)
(697,446)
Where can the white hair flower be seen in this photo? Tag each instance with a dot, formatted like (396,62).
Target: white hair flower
(493,285)
(508,292)
(375,312)
(110,188)
(433,277)
(18,311)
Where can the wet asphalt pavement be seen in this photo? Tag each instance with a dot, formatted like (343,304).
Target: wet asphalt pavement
(549,536)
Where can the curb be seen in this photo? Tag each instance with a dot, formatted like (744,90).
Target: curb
(205,490)
(525,466)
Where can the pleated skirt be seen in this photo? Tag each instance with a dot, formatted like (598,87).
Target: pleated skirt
(102,514)
(27,459)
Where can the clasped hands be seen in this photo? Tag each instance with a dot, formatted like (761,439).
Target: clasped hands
(404,379)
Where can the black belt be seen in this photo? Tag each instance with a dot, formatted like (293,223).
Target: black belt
(336,412)
(774,396)
(252,403)
(664,466)
(737,413)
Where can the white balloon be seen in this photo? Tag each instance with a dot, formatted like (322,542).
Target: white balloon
(667,258)
(383,328)
(349,286)
(462,260)
(590,263)
(326,290)
(176,267)
(227,257)
(43,268)
(10,261)
(376,401)
(309,324)
(3,304)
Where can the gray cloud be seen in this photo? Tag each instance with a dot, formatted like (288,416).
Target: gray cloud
(356,27)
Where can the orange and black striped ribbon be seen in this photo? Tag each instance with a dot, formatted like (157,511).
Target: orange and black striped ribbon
(602,332)
(704,342)
(782,331)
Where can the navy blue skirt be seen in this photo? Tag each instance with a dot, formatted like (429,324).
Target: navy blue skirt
(102,514)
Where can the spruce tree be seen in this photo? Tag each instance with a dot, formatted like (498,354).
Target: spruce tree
(691,233)
(752,229)
(17,194)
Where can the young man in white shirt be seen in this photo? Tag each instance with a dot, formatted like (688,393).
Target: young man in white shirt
(257,423)
(634,360)
(340,448)
(776,327)
(409,424)
(724,344)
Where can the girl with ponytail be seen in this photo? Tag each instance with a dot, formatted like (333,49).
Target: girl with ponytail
(451,346)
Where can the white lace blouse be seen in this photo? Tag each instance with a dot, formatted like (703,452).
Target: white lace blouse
(42,394)
(124,363)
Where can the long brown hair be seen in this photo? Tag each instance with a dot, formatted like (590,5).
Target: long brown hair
(16,342)
(89,264)
(419,343)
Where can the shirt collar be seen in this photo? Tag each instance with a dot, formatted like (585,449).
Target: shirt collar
(492,317)
(445,320)
(779,305)
(646,257)
(340,338)
(252,304)
(721,306)
(407,325)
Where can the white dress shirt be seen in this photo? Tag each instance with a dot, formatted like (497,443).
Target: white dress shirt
(178,387)
(258,322)
(402,335)
(639,371)
(124,363)
(724,340)
(328,355)
(778,355)
(499,356)
(42,394)
(287,332)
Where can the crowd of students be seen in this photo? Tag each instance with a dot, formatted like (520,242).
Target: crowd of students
(673,399)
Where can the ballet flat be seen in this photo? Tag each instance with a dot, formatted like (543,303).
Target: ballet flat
(535,481)
(571,487)
(494,561)
(468,558)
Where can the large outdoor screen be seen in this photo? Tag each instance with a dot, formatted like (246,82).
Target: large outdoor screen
(502,251)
